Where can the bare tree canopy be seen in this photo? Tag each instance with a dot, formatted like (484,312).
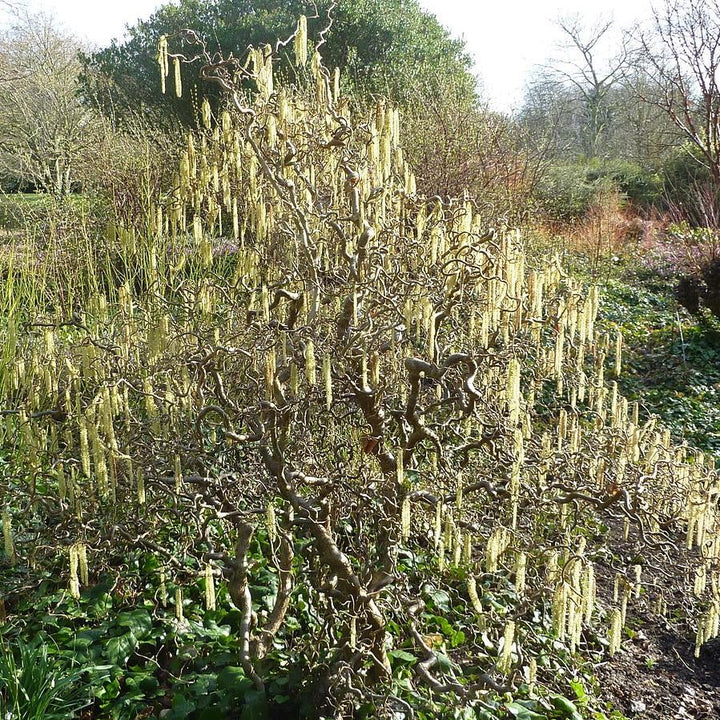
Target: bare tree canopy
(682,58)
(592,72)
(43,125)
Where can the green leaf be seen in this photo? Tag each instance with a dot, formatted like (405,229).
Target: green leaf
(440,598)
(487,715)
(233,681)
(445,663)
(466,713)
(182,708)
(580,693)
(565,707)
(522,713)
(137,621)
(119,649)
(403,655)
(109,691)
(80,643)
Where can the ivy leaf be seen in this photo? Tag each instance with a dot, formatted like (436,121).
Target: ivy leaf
(403,655)
(565,707)
(119,649)
(440,598)
(137,621)
(520,712)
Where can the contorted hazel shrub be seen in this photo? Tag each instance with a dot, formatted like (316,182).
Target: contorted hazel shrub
(368,378)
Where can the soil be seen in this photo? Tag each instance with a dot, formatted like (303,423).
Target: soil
(655,675)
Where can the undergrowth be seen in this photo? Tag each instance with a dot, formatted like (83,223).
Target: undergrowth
(671,363)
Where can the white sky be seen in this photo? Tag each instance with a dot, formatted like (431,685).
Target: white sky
(505,37)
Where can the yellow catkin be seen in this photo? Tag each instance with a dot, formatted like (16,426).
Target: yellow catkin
(8,537)
(84,447)
(532,675)
(179,613)
(559,610)
(74,579)
(206,114)
(624,601)
(441,555)
(271,522)
(431,334)
(467,549)
(162,59)
(209,588)
(178,78)
(505,661)
(497,545)
(162,590)
(637,570)
(512,390)
(310,363)
(405,519)
(457,546)
(615,631)
(300,42)
(473,595)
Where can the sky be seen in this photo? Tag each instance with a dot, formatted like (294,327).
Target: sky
(506,38)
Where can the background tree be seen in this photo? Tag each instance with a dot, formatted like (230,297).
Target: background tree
(551,115)
(44,128)
(388,47)
(579,84)
(640,132)
(596,114)
(682,64)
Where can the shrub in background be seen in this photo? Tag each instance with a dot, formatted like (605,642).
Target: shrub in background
(567,192)
(692,255)
(687,193)
(457,146)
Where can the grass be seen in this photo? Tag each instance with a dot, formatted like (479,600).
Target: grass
(34,687)
(19,211)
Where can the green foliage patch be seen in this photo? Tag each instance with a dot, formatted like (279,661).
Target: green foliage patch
(672,362)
